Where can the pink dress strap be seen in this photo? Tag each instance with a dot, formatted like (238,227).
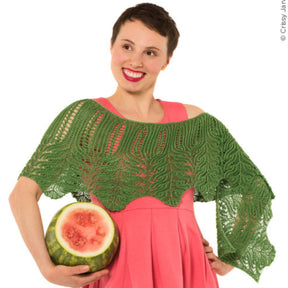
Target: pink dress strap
(174,111)
(108,105)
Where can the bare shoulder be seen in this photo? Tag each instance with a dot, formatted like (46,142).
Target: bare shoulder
(193,111)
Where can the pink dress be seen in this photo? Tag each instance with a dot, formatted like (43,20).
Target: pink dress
(160,245)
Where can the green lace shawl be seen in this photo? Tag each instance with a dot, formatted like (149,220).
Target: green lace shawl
(90,150)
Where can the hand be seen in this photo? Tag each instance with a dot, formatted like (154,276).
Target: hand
(220,267)
(73,276)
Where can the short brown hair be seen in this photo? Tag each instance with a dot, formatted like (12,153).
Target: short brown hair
(155,18)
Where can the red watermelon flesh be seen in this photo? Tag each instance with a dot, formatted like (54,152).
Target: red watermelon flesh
(82,234)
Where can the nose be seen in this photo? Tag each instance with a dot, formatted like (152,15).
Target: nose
(136,60)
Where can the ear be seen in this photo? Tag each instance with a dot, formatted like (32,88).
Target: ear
(111,46)
(168,60)
(167,63)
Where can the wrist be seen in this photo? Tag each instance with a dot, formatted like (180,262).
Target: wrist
(46,268)
(229,267)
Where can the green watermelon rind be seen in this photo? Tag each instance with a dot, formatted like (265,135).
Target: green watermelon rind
(60,256)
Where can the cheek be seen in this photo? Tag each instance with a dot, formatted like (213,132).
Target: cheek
(118,58)
(154,67)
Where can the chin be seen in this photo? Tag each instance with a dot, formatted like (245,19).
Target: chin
(133,91)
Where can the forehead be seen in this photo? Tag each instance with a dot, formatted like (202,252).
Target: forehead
(140,34)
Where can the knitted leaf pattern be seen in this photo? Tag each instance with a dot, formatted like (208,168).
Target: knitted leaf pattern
(89,150)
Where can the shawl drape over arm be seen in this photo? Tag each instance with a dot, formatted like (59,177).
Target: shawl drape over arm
(243,204)
(89,150)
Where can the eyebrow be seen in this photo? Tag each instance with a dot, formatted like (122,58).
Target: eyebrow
(150,47)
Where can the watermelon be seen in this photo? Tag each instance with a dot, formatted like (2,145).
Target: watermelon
(82,234)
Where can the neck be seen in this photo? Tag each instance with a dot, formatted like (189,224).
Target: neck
(137,107)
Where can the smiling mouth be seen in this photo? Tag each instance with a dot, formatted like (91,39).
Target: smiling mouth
(132,75)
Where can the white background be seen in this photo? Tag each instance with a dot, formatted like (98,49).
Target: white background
(230,61)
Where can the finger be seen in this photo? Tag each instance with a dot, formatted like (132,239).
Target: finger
(211,256)
(205,242)
(92,277)
(76,270)
(95,275)
(208,249)
(215,265)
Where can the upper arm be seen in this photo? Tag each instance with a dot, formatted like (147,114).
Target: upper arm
(26,185)
(193,111)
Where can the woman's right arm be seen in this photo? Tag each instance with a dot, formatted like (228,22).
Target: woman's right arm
(24,205)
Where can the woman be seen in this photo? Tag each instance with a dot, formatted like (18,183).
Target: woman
(145,160)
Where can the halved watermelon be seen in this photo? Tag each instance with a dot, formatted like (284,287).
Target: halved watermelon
(82,234)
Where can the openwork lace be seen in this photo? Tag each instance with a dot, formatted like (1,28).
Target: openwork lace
(89,150)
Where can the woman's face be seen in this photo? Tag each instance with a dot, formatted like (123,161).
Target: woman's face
(138,55)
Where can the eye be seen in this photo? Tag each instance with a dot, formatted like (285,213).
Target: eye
(151,53)
(127,47)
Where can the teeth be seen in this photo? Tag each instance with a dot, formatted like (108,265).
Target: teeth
(133,74)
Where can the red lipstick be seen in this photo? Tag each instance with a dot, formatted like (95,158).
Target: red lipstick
(133,75)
